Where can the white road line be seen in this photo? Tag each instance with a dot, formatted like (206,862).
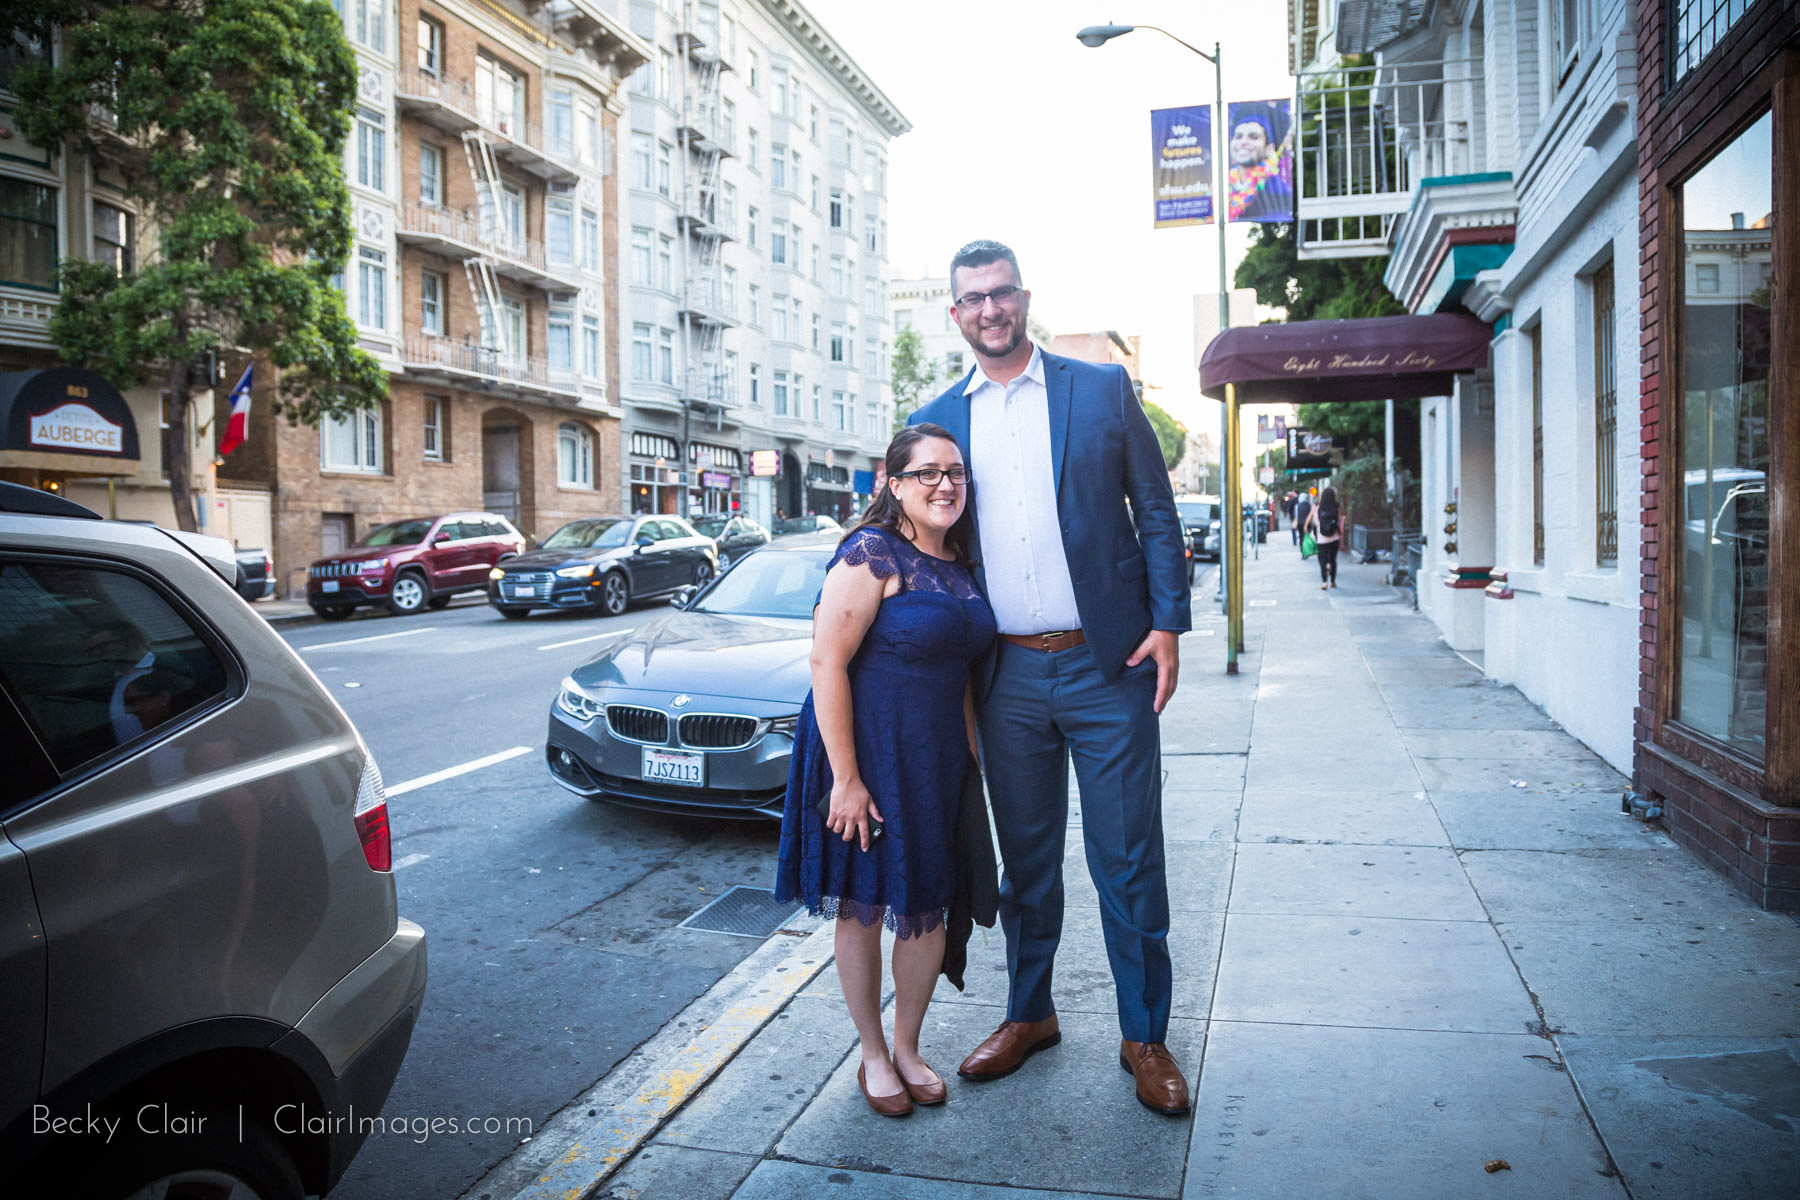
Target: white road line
(380,637)
(592,637)
(413,785)
(409,860)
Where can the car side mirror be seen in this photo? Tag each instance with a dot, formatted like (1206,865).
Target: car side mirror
(645,540)
(440,539)
(680,599)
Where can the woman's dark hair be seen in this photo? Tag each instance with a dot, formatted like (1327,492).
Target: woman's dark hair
(885,512)
(1328,498)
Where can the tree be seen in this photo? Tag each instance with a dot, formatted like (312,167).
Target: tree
(913,375)
(225,121)
(1171,435)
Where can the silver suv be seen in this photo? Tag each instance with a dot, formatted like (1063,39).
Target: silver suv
(207,981)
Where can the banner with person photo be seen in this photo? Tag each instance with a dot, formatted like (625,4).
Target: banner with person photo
(1260,151)
(1181,160)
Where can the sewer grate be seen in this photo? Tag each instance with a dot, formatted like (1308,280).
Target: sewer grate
(742,912)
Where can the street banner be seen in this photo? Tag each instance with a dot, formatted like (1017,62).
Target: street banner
(237,427)
(1181,162)
(1307,450)
(1260,151)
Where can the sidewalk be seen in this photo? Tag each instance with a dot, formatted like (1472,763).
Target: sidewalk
(1413,937)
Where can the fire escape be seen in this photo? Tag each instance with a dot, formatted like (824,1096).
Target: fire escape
(706,309)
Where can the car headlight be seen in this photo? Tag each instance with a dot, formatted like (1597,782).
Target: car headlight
(374,564)
(496,575)
(577,705)
(782,725)
(581,572)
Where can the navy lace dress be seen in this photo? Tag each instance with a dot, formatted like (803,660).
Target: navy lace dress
(912,748)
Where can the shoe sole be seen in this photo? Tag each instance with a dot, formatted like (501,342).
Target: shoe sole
(1183,1111)
(988,1076)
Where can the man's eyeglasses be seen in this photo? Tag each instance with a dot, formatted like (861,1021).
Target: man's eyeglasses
(973,301)
(932,476)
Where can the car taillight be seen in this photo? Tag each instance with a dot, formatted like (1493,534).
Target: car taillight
(372,818)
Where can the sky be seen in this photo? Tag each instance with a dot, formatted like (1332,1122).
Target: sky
(1022,134)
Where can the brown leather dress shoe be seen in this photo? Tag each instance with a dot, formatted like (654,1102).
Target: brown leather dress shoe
(1160,1087)
(897,1105)
(925,1094)
(1007,1048)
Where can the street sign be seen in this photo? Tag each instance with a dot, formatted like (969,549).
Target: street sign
(765,463)
(1266,476)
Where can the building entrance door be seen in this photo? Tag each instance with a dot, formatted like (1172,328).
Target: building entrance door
(500,474)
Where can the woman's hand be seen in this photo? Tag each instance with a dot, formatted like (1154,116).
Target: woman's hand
(852,808)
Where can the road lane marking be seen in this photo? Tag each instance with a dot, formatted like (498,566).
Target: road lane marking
(379,637)
(410,860)
(413,785)
(592,637)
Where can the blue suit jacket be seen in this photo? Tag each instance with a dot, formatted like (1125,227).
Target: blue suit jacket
(1121,533)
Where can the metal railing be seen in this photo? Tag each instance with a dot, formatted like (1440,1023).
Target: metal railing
(452,226)
(485,362)
(1364,138)
(459,96)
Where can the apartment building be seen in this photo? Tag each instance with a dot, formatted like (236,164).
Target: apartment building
(1489,147)
(755,370)
(483,199)
(72,431)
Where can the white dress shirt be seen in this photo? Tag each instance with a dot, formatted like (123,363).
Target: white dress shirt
(1022,552)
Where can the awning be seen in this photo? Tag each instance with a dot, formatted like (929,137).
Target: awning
(1368,358)
(66,419)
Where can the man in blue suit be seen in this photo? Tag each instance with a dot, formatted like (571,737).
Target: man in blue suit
(1081,556)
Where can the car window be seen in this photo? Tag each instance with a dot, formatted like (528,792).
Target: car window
(769,584)
(397,533)
(498,529)
(677,529)
(97,657)
(579,535)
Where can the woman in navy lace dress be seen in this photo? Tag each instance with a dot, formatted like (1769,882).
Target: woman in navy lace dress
(888,733)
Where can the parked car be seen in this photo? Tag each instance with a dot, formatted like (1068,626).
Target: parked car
(602,564)
(201,950)
(1725,541)
(255,578)
(1200,520)
(413,564)
(809,523)
(734,536)
(694,711)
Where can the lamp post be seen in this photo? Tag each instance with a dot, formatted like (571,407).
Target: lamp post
(1231,516)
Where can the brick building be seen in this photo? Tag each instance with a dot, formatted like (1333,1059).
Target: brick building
(1717,727)
(484,204)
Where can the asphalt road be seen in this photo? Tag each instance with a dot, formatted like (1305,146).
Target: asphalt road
(550,920)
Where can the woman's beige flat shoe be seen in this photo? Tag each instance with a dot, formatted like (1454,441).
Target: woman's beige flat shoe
(926,1093)
(897,1105)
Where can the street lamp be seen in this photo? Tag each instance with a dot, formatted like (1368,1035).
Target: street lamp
(1231,517)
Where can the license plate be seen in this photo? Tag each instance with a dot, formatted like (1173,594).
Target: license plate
(674,766)
(330,585)
(518,592)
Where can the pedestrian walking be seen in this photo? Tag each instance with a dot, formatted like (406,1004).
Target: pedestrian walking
(1327,527)
(1302,514)
(886,742)
(1080,552)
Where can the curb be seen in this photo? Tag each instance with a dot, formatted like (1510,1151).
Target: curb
(599,1130)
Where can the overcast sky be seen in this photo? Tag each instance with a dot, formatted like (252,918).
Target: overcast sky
(1021,133)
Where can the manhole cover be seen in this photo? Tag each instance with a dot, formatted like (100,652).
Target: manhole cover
(742,912)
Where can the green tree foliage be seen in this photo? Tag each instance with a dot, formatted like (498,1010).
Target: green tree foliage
(225,120)
(1171,435)
(913,375)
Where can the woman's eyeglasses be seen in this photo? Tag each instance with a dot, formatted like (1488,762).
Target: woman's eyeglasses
(932,476)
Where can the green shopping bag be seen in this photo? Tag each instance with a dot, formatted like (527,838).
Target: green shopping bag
(1308,546)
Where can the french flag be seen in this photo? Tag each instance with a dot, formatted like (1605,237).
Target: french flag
(237,429)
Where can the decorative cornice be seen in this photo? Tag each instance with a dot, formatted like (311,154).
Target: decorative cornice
(808,33)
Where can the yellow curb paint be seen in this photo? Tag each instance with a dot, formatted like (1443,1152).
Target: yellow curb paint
(633,1120)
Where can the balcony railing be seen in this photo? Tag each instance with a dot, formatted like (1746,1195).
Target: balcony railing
(25,319)
(447,232)
(1366,136)
(703,304)
(452,105)
(468,360)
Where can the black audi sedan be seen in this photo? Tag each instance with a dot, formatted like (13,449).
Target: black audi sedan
(603,564)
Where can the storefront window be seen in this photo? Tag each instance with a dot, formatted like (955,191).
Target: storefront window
(1727,249)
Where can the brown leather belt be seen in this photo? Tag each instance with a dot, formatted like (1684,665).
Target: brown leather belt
(1049,643)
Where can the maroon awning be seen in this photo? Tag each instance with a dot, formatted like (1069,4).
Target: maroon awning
(1368,358)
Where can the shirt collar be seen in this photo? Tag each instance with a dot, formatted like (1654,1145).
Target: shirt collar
(1034,371)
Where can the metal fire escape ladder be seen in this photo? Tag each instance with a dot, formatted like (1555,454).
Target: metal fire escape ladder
(704,163)
(483,284)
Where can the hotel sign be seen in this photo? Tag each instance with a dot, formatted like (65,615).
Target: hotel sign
(74,426)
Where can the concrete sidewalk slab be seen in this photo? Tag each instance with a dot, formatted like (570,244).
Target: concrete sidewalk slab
(1403,818)
(1396,1114)
(1520,819)
(1424,883)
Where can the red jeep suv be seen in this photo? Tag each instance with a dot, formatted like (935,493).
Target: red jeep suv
(412,564)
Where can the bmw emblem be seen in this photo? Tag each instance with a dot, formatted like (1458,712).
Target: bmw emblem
(681,701)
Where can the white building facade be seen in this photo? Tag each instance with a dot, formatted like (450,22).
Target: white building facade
(1499,172)
(753,233)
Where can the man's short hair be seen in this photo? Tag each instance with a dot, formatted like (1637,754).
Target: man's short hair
(980,254)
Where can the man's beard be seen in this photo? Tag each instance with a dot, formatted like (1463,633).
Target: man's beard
(1017,337)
